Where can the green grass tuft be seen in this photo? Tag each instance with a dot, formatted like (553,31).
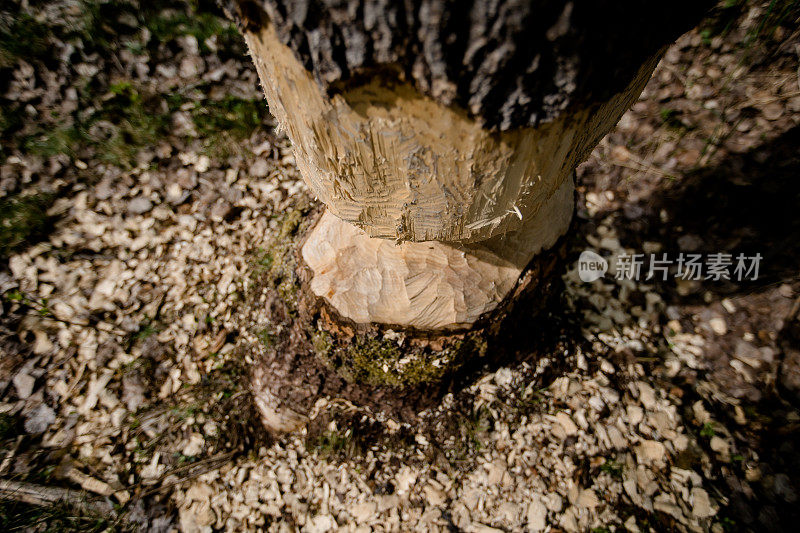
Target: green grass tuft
(23,37)
(23,220)
(8,426)
(15,516)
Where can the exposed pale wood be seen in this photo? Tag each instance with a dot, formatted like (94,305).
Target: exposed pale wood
(442,138)
(403,166)
(426,285)
(307,358)
(469,206)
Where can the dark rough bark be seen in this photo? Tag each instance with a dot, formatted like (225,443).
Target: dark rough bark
(514,63)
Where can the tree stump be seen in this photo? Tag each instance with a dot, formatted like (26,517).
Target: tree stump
(441,139)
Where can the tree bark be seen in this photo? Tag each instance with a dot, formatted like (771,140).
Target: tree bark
(442,137)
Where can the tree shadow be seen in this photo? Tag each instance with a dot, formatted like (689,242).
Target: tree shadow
(747,204)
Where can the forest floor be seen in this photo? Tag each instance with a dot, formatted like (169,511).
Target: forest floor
(141,175)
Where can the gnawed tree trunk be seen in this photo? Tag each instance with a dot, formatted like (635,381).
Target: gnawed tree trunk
(441,137)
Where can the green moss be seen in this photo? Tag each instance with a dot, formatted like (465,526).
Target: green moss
(382,362)
(231,114)
(167,25)
(322,343)
(223,124)
(23,219)
(332,443)
(612,468)
(115,121)
(288,292)
(291,222)
(266,337)
(263,261)
(275,265)
(373,361)
(129,121)
(165,19)
(707,430)
(132,119)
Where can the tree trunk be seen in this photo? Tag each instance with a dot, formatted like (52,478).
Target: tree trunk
(442,137)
